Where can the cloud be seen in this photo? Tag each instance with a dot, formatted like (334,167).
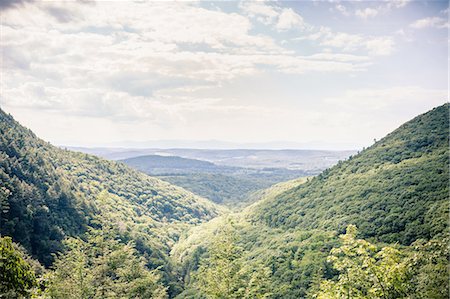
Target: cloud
(431,22)
(263,12)
(9,4)
(342,9)
(289,19)
(165,70)
(397,3)
(282,19)
(380,46)
(382,7)
(61,14)
(373,45)
(366,13)
(122,50)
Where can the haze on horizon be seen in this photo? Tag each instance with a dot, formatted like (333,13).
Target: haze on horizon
(334,73)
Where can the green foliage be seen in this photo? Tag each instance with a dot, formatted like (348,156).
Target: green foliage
(47,193)
(165,164)
(430,268)
(224,275)
(17,278)
(281,262)
(395,191)
(103,267)
(129,235)
(263,195)
(219,276)
(223,189)
(365,271)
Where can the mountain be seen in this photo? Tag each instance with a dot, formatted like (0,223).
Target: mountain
(47,194)
(311,161)
(165,164)
(126,233)
(394,191)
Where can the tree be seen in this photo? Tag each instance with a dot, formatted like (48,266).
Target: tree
(259,283)
(16,276)
(72,277)
(223,274)
(103,267)
(365,271)
(219,275)
(429,262)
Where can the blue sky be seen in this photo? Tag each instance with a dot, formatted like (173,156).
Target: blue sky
(338,73)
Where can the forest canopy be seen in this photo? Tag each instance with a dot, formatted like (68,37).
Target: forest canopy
(373,226)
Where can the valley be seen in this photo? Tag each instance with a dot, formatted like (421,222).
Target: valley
(224,149)
(169,224)
(224,176)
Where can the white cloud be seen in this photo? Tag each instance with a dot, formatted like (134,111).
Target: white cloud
(380,46)
(342,9)
(152,70)
(124,51)
(263,12)
(373,45)
(366,13)
(431,22)
(397,3)
(382,7)
(289,19)
(282,19)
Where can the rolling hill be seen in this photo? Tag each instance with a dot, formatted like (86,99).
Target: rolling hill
(167,164)
(47,194)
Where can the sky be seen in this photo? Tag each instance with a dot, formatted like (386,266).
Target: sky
(329,74)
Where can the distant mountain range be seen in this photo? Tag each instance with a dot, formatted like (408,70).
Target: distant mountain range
(224,176)
(305,160)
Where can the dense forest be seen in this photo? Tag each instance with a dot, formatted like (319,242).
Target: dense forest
(232,186)
(49,195)
(395,192)
(373,226)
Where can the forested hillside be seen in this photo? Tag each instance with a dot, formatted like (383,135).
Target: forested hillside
(395,191)
(48,194)
(167,164)
(374,226)
(287,246)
